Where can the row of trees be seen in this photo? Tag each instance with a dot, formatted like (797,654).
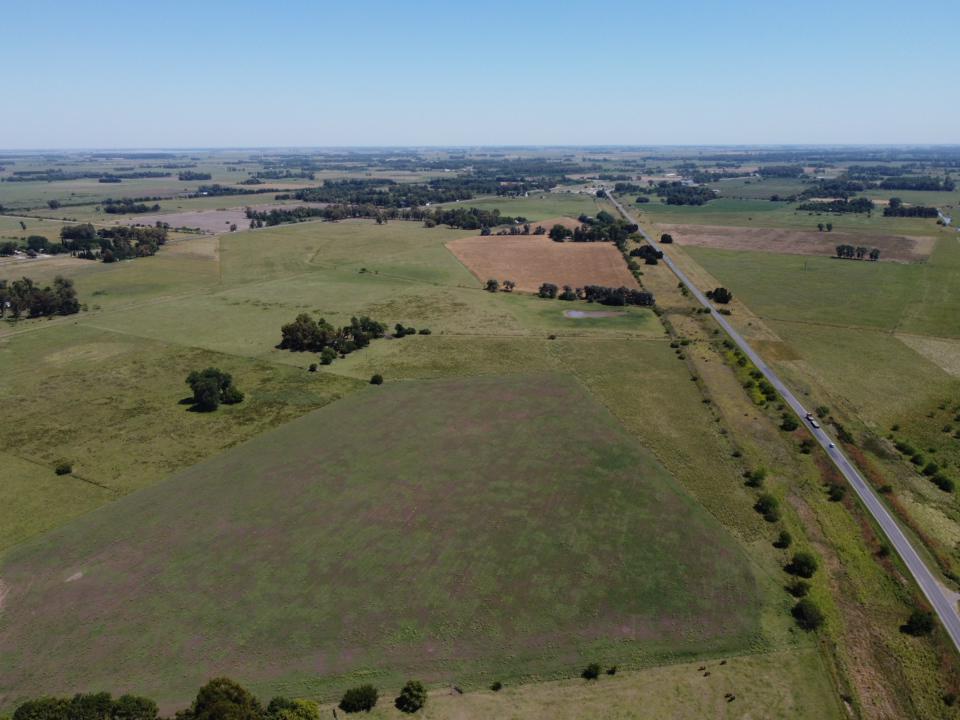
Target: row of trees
(841,205)
(219,699)
(896,208)
(924,182)
(859,252)
(459,217)
(619,297)
(24,297)
(128,206)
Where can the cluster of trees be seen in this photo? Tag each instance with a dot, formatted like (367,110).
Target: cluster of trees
(217,190)
(836,188)
(190,175)
(859,252)
(493,285)
(285,174)
(896,208)
(113,243)
(211,387)
(650,255)
(34,244)
(24,297)
(782,171)
(88,706)
(602,228)
(128,206)
(841,205)
(598,293)
(387,193)
(676,193)
(305,334)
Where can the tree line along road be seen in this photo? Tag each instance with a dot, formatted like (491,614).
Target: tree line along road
(942,599)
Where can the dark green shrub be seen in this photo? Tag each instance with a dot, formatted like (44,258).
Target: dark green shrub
(412,697)
(799,588)
(359,699)
(783,541)
(768,506)
(807,614)
(591,671)
(803,565)
(63,468)
(497,686)
(919,623)
(376,379)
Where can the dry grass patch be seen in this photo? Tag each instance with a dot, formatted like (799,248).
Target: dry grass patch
(798,242)
(531,260)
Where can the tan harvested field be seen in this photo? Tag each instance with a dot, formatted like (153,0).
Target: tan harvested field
(798,242)
(531,260)
(210,221)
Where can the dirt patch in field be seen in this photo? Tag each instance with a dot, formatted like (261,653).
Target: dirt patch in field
(531,260)
(798,242)
(209,221)
(577,314)
(942,352)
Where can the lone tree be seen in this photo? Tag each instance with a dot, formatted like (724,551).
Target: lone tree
(376,379)
(359,699)
(509,285)
(211,387)
(492,285)
(223,698)
(720,295)
(666,238)
(412,697)
(807,614)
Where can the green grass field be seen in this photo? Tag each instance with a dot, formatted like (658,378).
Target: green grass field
(782,684)
(439,529)
(763,213)
(106,383)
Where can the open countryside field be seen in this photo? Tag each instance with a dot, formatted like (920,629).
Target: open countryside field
(763,213)
(529,491)
(680,692)
(797,242)
(359,526)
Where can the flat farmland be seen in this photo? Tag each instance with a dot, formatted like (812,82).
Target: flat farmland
(531,260)
(798,242)
(441,529)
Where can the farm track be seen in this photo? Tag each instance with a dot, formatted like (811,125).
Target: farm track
(943,600)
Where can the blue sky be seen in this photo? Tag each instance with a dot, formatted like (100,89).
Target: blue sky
(296,73)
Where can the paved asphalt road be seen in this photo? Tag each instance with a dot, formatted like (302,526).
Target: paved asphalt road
(944,601)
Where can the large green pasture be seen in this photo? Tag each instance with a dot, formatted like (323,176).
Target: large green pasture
(764,213)
(450,530)
(540,206)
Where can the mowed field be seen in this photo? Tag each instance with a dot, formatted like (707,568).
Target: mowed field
(531,260)
(798,242)
(437,528)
